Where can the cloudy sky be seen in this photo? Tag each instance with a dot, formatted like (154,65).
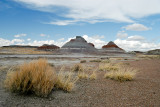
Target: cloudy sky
(131,24)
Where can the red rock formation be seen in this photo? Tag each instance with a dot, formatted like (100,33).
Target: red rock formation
(110,45)
(48,47)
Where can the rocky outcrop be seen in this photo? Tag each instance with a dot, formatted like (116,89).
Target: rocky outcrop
(48,47)
(79,44)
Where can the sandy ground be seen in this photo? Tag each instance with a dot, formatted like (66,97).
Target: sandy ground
(143,91)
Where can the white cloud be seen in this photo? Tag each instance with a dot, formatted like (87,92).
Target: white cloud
(136,27)
(5,42)
(63,22)
(28,39)
(98,37)
(96,40)
(60,42)
(20,35)
(94,11)
(121,34)
(39,43)
(136,43)
(17,41)
(136,38)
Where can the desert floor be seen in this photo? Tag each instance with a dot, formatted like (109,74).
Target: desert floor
(143,91)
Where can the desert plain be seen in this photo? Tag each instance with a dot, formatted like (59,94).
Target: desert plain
(142,91)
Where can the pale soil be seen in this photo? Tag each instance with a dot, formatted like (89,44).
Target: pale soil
(143,91)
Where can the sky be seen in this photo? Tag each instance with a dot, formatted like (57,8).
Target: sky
(133,25)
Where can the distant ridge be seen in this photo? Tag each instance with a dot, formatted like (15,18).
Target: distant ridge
(21,46)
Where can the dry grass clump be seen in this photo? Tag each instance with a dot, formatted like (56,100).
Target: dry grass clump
(106,61)
(82,75)
(77,68)
(38,77)
(4,68)
(95,60)
(93,76)
(108,67)
(35,77)
(123,74)
(65,80)
(83,61)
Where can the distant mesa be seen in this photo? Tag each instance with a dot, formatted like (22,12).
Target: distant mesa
(48,47)
(79,44)
(112,47)
(20,46)
(154,52)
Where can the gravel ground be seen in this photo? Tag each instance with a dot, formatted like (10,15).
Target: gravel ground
(143,91)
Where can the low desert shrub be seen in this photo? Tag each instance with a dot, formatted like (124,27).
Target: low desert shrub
(77,68)
(83,61)
(108,67)
(93,76)
(123,74)
(95,60)
(35,77)
(65,80)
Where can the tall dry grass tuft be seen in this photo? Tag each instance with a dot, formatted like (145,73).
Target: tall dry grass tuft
(82,75)
(93,76)
(35,77)
(77,68)
(108,67)
(123,74)
(65,80)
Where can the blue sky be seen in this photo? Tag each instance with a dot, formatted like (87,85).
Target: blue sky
(131,24)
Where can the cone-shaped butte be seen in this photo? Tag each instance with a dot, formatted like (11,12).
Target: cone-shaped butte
(79,44)
(112,47)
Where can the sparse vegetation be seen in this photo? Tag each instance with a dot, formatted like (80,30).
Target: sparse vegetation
(108,67)
(93,76)
(65,80)
(39,78)
(35,77)
(106,61)
(149,56)
(83,61)
(123,74)
(95,60)
(77,68)
(3,68)
(82,75)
